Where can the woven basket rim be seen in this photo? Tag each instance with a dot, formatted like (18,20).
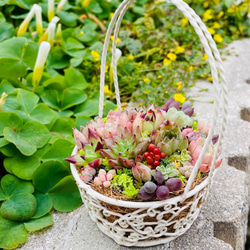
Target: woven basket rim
(135,204)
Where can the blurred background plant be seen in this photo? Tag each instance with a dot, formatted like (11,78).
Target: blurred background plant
(42,97)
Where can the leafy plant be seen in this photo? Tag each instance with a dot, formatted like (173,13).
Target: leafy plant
(159,59)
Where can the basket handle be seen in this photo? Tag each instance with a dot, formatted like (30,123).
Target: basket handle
(120,11)
(220,87)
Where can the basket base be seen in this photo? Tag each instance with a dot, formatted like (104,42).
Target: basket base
(149,226)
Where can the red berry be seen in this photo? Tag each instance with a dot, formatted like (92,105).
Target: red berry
(146,154)
(156,163)
(151,154)
(163,155)
(156,151)
(151,166)
(151,147)
(149,159)
(157,157)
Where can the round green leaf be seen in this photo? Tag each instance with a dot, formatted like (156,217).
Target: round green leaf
(65,195)
(31,136)
(43,114)
(12,185)
(12,234)
(11,68)
(3,142)
(44,205)
(6,87)
(2,195)
(10,120)
(20,207)
(63,126)
(40,223)
(74,78)
(72,97)
(72,43)
(9,150)
(59,150)
(22,166)
(7,51)
(88,108)
(30,54)
(6,31)
(48,174)
(68,18)
(108,106)
(57,59)
(51,98)
(27,99)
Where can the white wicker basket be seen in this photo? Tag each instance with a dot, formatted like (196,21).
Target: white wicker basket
(157,222)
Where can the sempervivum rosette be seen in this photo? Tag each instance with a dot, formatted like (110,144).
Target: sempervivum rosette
(143,153)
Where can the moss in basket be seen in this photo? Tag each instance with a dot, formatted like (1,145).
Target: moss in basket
(132,147)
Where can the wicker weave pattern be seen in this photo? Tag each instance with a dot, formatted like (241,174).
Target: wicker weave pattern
(145,226)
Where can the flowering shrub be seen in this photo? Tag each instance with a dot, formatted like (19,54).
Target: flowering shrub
(143,154)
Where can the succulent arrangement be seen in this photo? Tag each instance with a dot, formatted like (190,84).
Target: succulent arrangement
(143,154)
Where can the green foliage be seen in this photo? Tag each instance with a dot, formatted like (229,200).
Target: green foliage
(160,57)
(123,180)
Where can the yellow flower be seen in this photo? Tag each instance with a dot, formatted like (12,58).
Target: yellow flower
(231,9)
(86,3)
(140,104)
(107,91)
(210,78)
(221,13)
(217,25)
(171,56)
(179,86)
(211,30)
(208,15)
(218,38)
(146,79)
(166,62)
(179,98)
(177,164)
(184,22)
(95,55)
(117,109)
(179,49)
(206,4)
(159,76)
(130,57)
(205,57)
(106,68)
(191,68)
(118,40)
(111,15)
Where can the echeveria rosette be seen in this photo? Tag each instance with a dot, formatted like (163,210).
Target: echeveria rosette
(89,153)
(149,121)
(179,117)
(169,138)
(186,106)
(108,126)
(182,156)
(123,148)
(167,171)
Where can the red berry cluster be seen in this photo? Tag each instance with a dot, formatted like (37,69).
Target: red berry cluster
(153,156)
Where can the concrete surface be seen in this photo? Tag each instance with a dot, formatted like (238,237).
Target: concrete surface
(222,222)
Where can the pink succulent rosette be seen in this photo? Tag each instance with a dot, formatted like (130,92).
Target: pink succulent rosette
(150,147)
